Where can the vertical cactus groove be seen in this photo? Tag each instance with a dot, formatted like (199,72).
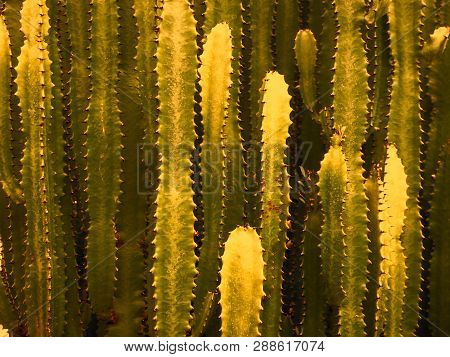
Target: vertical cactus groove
(174,267)
(128,304)
(440,282)
(332,190)
(78,25)
(275,196)
(306,54)
(241,286)
(230,11)
(393,198)
(103,156)
(215,80)
(9,183)
(261,15)
(404,133)
(350,112)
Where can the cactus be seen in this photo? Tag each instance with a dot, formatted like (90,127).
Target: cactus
(241,288)
(393,198)
(404,132)
(123,121)
(9,183)
(350,112)
(275,195)
(439,263)
(174,267)
(103,156)
(215,80)
(332,184)
(306,53)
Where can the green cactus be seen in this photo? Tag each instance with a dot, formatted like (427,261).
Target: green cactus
(103,156)
(261,13)
(439,263)
(306,54)
(230,12)
(123,121)
(174,267)
(148,18)
(215,80)
(241,286)
(350,112)
(275,196)
(404,132)
(333,179)
(9,183)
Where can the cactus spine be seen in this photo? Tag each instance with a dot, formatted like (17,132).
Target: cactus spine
(215,80)
(275,196)
(241,286)
(174,267)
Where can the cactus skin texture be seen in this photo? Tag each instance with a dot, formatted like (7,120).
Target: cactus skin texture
(9,182)
(215,80)
(404,133)
(174,267)
(332,190)
(440,282)
(103,156)
(241,286)
(393,198)
(275,196)
(306,53)
(350,112)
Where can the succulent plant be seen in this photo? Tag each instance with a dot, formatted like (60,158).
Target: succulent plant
(154,180)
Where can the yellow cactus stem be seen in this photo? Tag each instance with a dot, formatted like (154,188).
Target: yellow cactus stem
(215,80)
(174,267)
(241,286)
(351,99)
(332,190)
(275,195)
(7,179)
(393,199)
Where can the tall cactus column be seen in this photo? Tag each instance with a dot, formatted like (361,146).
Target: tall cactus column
(404,132)
(103,156)
(350,115)
(41,174)
(275,195)
(174,268)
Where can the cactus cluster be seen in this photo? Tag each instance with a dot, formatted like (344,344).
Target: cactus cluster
(224,167)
